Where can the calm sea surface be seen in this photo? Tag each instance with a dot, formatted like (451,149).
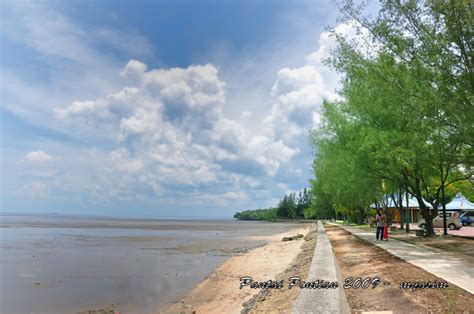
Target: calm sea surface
(67,264)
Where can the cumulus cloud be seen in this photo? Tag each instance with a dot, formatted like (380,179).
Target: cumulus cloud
(134,70)
(299,92)
(171,132)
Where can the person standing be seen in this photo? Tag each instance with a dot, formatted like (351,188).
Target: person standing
(380,224)
(385,232)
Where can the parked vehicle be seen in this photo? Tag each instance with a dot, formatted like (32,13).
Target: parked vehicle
(453,221)
(465,219)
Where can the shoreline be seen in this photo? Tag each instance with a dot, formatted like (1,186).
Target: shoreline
(67,264)
(220,291)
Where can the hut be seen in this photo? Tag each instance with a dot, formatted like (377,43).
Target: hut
(412,206)
(460,203)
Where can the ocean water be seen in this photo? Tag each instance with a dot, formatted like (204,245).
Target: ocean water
(67,264)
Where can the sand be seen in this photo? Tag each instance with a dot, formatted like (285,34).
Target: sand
(220,292)
(282,300)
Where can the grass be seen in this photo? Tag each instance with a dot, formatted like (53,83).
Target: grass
(347,223)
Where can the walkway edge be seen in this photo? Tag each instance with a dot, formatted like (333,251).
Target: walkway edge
(323,267)
(444,267)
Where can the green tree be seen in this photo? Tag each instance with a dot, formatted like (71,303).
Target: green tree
(340,176)
(268,214)
(320,206)
(401,119)
(303,202)
(287,207)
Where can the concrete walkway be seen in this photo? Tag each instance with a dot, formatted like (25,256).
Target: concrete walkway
(323,267)
(445,267)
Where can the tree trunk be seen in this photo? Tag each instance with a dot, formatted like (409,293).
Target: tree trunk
(429,223)
(407,213)
(360,216)
(426,213)
(402,210)
(402,219)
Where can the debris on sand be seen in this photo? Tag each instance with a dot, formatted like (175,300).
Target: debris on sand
(296,237)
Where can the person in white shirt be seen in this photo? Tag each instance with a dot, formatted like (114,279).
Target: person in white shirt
(380,224)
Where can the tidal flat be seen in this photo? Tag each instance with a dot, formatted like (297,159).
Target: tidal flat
(69,264)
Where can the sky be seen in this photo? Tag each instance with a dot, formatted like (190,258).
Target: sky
(160,108)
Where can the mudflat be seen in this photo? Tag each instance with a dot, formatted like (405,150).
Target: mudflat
(63,264)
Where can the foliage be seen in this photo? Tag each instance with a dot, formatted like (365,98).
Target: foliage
(257,214)
(291,206)
(406,118)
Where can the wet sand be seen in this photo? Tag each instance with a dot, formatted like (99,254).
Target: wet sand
(72,264)
(221,293)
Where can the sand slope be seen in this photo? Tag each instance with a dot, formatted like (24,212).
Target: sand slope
(220,292)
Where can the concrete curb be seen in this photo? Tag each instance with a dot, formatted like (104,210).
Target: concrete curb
(323,267)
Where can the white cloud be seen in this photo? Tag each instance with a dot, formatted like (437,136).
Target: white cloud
(37,156)
(130,43)
(53,34)
(351,31)
(235,196)
(171,131)
(36,190)
(134,70)
(299,92)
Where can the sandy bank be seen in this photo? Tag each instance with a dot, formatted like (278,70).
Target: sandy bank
(220,293)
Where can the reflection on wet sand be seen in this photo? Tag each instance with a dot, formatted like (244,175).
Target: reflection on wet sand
(59,264)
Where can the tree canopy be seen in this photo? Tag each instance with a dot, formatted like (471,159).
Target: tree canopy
(406,117)
(291,206)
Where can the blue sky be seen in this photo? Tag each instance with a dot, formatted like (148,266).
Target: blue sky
(160,108)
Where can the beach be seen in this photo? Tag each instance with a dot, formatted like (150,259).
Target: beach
(59,264)
(221,291)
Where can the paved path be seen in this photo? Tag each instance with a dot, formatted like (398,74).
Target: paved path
(465,231)
(323,267)
(445,267)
